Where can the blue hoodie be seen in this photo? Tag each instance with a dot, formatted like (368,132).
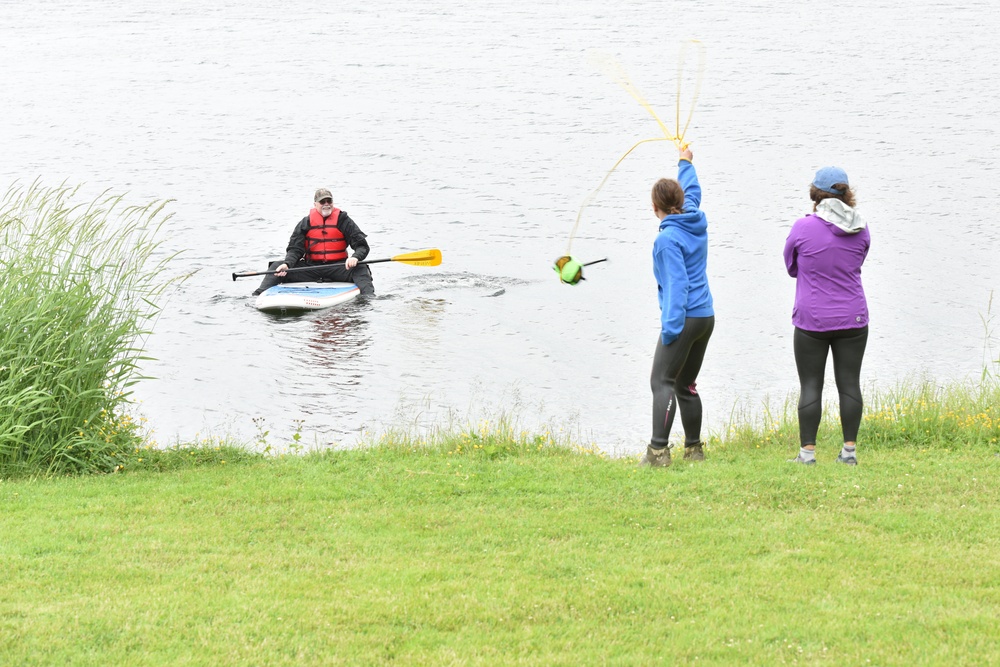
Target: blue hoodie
(680,257)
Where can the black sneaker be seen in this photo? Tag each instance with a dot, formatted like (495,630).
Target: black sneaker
(656,458)
(805,462)
(694,453)
(849,460)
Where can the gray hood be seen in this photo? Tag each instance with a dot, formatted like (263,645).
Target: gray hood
(841,215)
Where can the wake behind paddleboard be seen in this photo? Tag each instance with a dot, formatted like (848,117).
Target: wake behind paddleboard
(297,297)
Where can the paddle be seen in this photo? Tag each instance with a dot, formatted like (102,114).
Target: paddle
(431,257)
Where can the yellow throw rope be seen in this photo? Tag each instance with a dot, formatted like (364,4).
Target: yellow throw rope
(611,68)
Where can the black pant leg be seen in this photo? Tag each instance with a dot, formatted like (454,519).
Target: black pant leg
(688,399)
(848,354)
(361,276)
(269,280)
(672,365)
(810,361)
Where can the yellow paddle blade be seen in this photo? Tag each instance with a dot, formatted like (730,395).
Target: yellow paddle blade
(431,257)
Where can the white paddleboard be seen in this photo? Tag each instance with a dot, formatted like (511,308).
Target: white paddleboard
(295,297)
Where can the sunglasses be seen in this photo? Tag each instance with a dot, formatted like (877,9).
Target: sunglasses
(328,200)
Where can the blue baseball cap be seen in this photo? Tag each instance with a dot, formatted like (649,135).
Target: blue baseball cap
(827,177)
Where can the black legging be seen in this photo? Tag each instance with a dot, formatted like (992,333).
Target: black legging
(848,347)
(360,275)
(675,369)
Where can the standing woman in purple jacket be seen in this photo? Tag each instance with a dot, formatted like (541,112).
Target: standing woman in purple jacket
(824,253)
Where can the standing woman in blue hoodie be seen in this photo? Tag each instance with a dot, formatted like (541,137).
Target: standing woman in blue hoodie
(824,253)
(680,255)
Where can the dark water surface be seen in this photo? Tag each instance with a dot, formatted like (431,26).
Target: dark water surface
(480,128)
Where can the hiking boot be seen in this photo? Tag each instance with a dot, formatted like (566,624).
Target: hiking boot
(805,462)
(656,458)
(849,460)
(694,453)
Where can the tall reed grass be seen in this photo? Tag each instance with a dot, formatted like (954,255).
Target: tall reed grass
(77,298)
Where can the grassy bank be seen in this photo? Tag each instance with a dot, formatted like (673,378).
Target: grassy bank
(486,549)
(482,547)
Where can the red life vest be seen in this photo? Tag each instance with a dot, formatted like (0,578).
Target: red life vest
(324,240)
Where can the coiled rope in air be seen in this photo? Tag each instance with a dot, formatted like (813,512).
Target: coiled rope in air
(569,269)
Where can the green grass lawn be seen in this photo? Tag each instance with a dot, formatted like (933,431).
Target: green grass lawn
(421,556)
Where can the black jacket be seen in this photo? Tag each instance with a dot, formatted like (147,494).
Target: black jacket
(355,238)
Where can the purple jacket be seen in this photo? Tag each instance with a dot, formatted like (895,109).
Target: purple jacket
(825,258)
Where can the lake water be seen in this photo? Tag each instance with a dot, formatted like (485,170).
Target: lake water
(480,128)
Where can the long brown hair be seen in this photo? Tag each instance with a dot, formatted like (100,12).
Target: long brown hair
(668,196)
(846,195)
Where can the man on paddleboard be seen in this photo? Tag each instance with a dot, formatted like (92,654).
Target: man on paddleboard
(320,241)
